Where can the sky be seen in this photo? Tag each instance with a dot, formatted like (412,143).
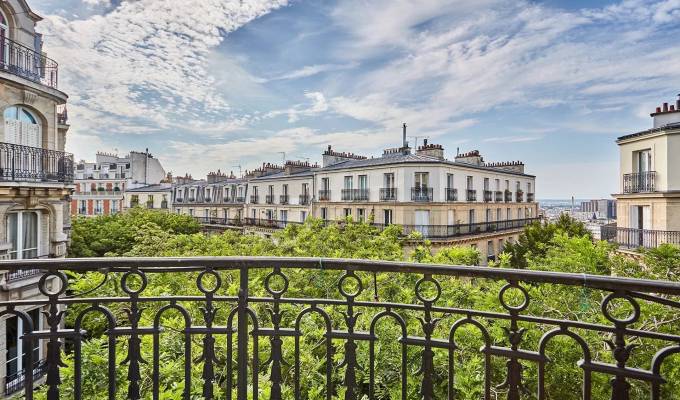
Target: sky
(230,84)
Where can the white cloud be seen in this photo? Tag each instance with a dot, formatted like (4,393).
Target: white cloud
(311,70)
(512,139)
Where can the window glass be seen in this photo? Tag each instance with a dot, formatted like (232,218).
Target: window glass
(22,231)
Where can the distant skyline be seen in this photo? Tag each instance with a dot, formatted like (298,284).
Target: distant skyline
(217,84)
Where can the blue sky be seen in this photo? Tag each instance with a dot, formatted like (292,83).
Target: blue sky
(217,84)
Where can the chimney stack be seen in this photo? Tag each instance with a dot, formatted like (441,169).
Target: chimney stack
(665,107)
(403,141)
(677,103)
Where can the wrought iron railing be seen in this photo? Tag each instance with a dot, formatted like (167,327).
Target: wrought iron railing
(519,196)
(34,164)
(27,63)
(531,197)
(283,199)
(324,195)
(460,230)
(498,196)
(422,194)
(488,196)
(16,276)
(639,182)
(218,221)
(17,382)
(631,238)
(269,223)
(451,194)
(253,344)
(471,195)
(388,194)
(304,199)
(508,196)
(269,199)
(355,194)
(254,199)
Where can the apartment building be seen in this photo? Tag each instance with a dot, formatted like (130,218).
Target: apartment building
(279,195)
(220,198)
(648,203)
(36,177)
(152,197)
(101,185)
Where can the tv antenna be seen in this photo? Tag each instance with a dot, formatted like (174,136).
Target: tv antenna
(283,154)
(240,170)
(416,139)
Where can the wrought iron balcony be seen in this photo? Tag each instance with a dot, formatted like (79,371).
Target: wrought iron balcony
(462,230)
(164,204)
(22,61)
(34,164)
(422,194)
(324,195)
(508,196)
(269,222)
(519,196)
(471,195)
(388,194)
(630,238)
(254,199)
(498,196)
(240,199)
(355,194)
(218,221)
(531,197)
(269,199)
(17,382)
(451,194)
(639,182)
(488,196)
(304,199)
(283,199)
(254,347)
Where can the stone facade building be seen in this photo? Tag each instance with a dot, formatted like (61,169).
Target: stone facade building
(220,198)
(152,197)
(36,178)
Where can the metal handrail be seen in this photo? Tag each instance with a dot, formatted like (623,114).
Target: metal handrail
(257,305)
(20,163)
(639,182)
(27,63)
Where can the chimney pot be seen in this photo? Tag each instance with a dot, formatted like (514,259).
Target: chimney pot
(658,109)
(672,107)
(665,107)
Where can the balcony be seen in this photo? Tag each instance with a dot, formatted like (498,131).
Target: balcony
(519,196)
(269,199)
(451,194)
(531,197)
(488,196)
(149,204)
(260,347)
(283,199)
(422,194)
(639,182)
(498,196)
(218,221)
(324,195)
(34,164)
(269,223)
(304,199)
(26,63)
(462,230)
(240,199)
(508,196)
(631,238)
(388,194)
(16,276)
(17,382)
(164,204)
(471,195)
(254,199)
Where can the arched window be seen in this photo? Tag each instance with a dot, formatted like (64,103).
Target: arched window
(4,35)
(22,127)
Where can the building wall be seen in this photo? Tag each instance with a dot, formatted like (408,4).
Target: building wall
(151,200)
(658,144)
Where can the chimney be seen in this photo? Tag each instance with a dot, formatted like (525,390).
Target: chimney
(677,103)
(658,109)
(331,157)
(672,107)
(431,150)
(403,141)
(425,142)
(471,157)
(665,107)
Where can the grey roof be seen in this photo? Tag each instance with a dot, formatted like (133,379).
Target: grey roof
(151,188)
(675,125)
(280,175)
(411,159)
(203,182)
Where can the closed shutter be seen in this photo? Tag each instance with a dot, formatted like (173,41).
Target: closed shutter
(30,135)
(12,131)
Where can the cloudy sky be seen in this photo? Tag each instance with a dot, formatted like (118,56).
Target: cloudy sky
(220,83)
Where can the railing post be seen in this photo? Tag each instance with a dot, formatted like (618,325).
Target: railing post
(242,380)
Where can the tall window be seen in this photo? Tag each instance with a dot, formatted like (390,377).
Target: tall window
(4,33)
(498,185)
(363,182)
(388,180)
(98,207)
(324,213)
(387,216)
(471,216)
(284,189)
(348,182)
(22,232)
(486,184)
(22,127)
(470,183)
(325,184)
(16,349)
(643,161)
(449,181)
(422,179)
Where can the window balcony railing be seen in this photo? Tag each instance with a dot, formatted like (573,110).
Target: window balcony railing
(149,204)
(508,196)
(34,164)
(388,194)
(631,238)
(304,199)
(531,197)
(498,196)
(269,223)
(355,194)
(24,62)
(465,229)
(17,382)
(207,199)
(471,195)
(324,195)
(422,194)
(451,194)
(16,276)
(488,196)
(283,199)
(219,221)
(260,342)
(519,196)
(269,199)
(164,204)
(639,182)
(254,199)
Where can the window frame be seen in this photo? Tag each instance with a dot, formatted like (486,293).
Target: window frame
(19,231)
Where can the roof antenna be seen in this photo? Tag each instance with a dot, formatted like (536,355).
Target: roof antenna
(457,151)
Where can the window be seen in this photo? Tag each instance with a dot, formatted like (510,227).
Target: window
(303,216)
(499,214)
(347,212)
(486,184)
(324,213)
(519,213)
(490,252)
(508,214)
(528,187)
(283,215)
(470,182)
(98,207)
(422,179)
(23,233)
(362,214)
(387,217)
(284,190)
(363,182)
(325,184)
(388,180)
(498,185)
(206,213)
(82,209)
(449,181)
(489,216)
(191,212)
(270,214)
(16,353)
(271,190)
(507,184)
(471,216)
(500,245)
(348,182)
(305,189)
(643,161)
(22,127)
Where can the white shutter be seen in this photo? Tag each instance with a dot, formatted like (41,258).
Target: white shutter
(12,131)
(30,135)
